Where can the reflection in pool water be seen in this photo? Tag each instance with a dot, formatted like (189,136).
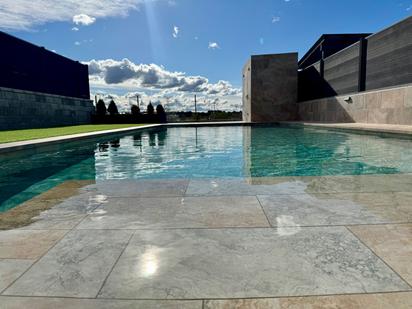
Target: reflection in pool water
(200,152)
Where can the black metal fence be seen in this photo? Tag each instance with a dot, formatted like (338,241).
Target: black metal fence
(381,60)
(28,67)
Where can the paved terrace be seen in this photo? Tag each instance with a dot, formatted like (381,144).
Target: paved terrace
(285,242)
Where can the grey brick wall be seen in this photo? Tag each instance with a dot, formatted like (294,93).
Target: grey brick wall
(25,109)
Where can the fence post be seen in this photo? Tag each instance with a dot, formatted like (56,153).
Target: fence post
(363,48)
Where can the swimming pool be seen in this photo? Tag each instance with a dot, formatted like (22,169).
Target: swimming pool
(202,152)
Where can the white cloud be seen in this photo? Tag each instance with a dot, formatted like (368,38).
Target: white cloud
(175,33)
(261,41)
(173,89)
(409,8)
(26,14)
(128,74)
(77,43)
(275,19)
(83,19)
(213,45)
(170,101)
(75,29)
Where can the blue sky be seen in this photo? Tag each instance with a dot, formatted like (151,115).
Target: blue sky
(193,43)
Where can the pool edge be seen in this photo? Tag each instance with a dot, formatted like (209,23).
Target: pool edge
(360,128)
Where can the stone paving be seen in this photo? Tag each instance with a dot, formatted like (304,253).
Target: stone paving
(284,242)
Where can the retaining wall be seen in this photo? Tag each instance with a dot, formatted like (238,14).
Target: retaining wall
(384,106)
(21,109)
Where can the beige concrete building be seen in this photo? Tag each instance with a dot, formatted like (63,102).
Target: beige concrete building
(270,88)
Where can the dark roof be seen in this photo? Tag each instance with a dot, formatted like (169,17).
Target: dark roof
(331,44)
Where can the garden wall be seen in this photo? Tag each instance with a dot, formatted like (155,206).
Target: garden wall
(384,106)
(26,109)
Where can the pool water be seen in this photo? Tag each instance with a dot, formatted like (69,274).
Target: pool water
(202,152)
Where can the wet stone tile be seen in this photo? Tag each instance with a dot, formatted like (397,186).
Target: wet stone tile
(366,301)
(249,186)
(187,212)
(68,213)
(67,303)
(260,303)
(58,208)
(337,209)
(75,267)
(139,188)
(28,244)
(242,263)
(300,185)
(11,269)
(363,183)
(393,243)
(370,301)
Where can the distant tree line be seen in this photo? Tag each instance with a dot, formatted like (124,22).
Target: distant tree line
(111,114)
(204,116)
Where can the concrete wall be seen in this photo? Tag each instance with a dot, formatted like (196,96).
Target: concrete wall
(247,91)
(385,106)
(25,109)
(270,88)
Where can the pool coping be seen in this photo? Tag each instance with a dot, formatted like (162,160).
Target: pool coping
(381,129)
(390,130)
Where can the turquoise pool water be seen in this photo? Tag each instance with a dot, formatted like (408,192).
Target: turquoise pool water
(187,152)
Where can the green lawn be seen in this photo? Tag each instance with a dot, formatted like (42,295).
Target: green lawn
(23,135)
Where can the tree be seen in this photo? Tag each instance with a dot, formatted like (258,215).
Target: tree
(135,110)
(112,109)
(161,114)
(100,108)
(160,109)
(150,109)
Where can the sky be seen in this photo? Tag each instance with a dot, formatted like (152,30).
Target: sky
(166,51)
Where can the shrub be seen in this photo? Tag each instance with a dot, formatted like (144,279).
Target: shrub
(112,109)
(100,108)
(135,110)
(150,109)
(161,114)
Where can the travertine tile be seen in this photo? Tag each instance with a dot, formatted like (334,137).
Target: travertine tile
(393,243)
(300,185)
(393,98)
(373,100)
(187,212)
(75,267)
(11,269)
(260,303)
(242,263)
(408,97)
(248,186)
(140,188)
(360,301)
(58,208)
(366,301)
(313,209)
(27,244)
(67,303)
